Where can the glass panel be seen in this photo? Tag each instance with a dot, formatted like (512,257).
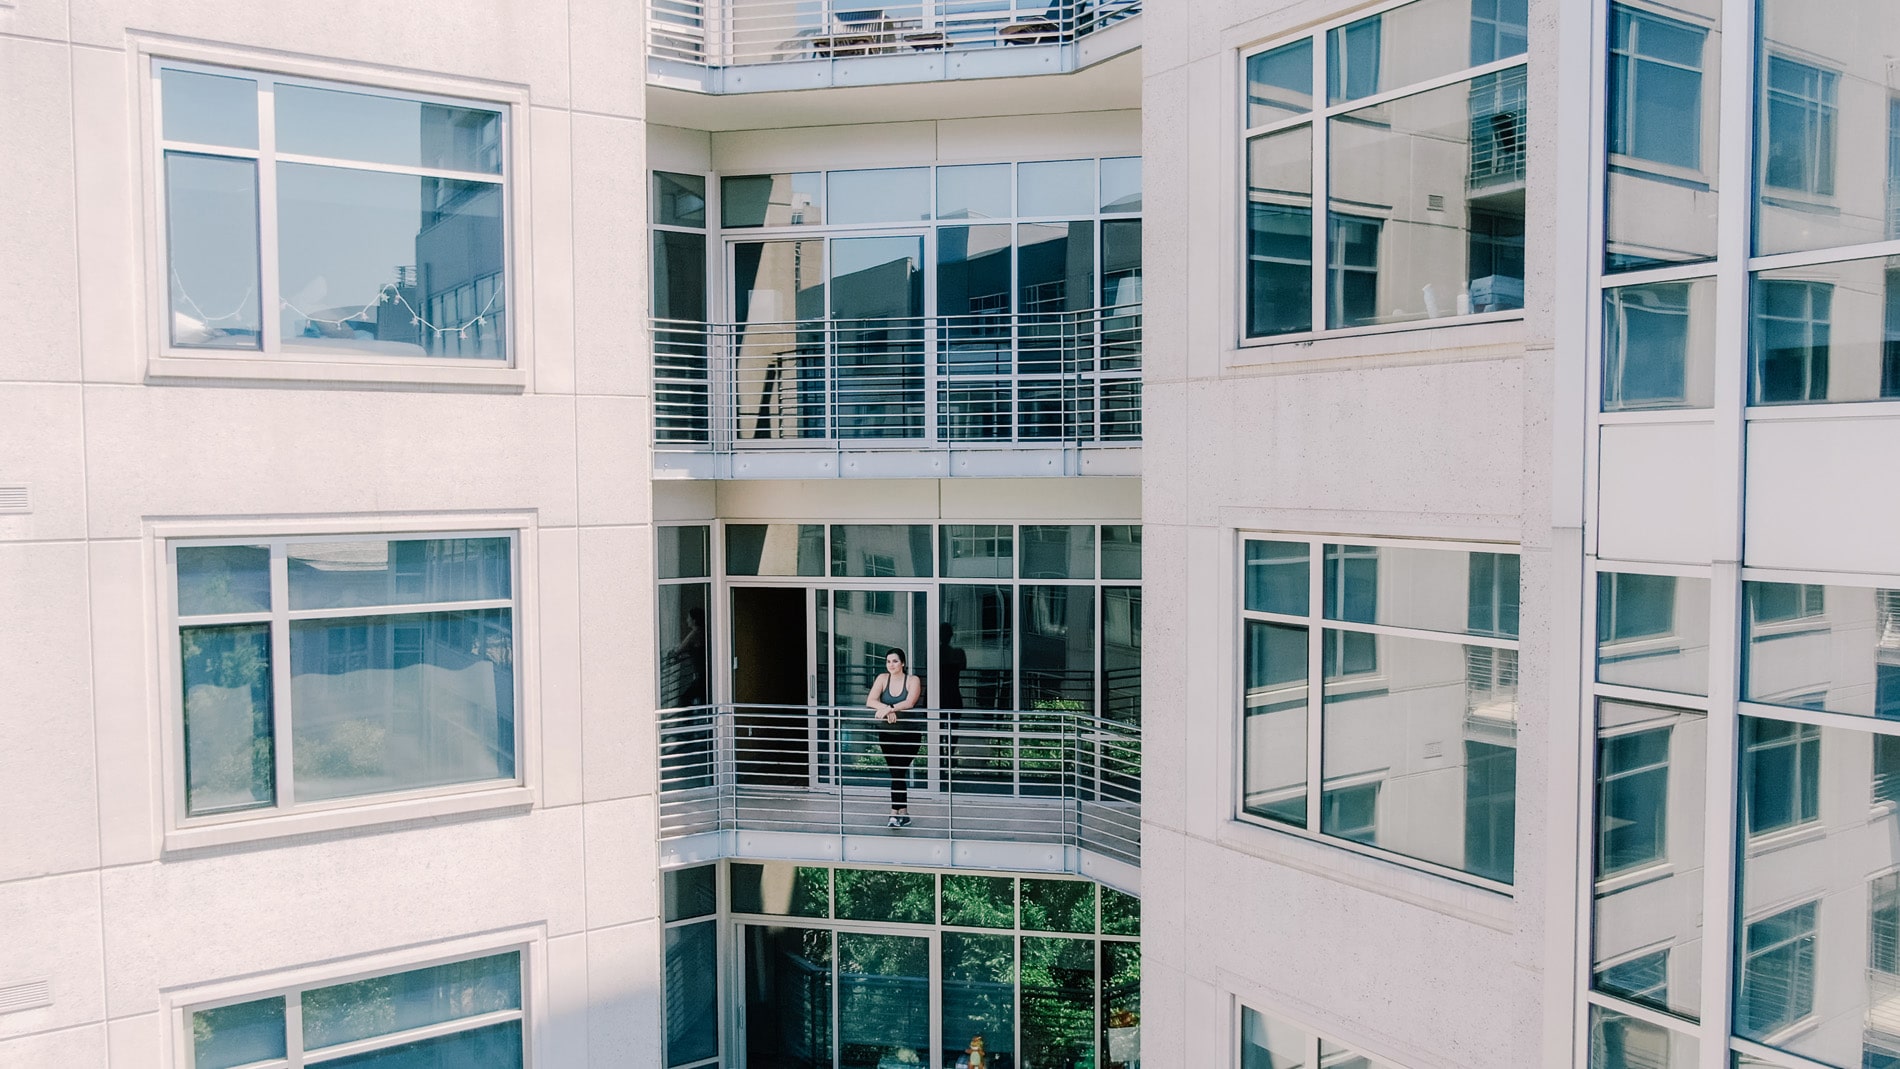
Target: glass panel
(1619,1041)
(680,345)
(778,293)
(1822,647)
(1121,551)
(886,895)
(1058,551)
(893,195)
(1419,752)
(1659,346)
(1780,775)
(1058,906)
(1280,82)
(211,245)
(979,901)
(398,1002)
(1121,1005)
(1121,654)
(691,892)
(1431,589)
(1276,577)
(780,889)
(975,345)
(1427,41)
(1451,253)
(221,579)
(1653,631)
(1661,127)
(770,200)
(1121,185)
(1121,913)
(775,549)
(1058,648)
(1058,1000)
(347,575)
(230,752)
(692,992)
(238,1035)
(979,999)
(1823,125)
(1334,1056)
(1649,835)
(883,1000)
(1055,279)
(380,129)
(367,258)
(1804,317)
(977,551)
(496,1047)
(685,552)
(1274,722)
(1269,1043)
(978,192)
(393,703)
(684,671)
(1280,233)
(975,651)
(209,109)
(877,304)
(787,998)
(877,550)
(679,199)
(1061,188)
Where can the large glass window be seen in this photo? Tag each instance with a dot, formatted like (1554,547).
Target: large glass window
(1829,332)
(1659,346)
(1416,679)
(1822,647)
(465,1013)
(386,665)
(382,219)
(1661,104)
(1653,631)
(1425,191)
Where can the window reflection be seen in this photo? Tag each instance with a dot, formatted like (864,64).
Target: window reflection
(1830,332)
(1659,346)
(1661,127)
(1814,647)
(1653,631)
(1280,232)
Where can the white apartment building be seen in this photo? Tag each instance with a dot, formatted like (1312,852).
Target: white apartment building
(465,468)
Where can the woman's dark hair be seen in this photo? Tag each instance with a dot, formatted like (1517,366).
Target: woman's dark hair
(900,655)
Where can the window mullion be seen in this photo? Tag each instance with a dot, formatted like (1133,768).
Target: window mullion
(280,673)
(269,308)
(293,1028)
(1315,682)
(1318,211)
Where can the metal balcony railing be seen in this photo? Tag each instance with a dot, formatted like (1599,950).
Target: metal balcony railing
(918,381)
(1048,778)
(745,32)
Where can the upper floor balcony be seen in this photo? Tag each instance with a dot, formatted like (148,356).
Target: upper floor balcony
(1007,394)
(752,46)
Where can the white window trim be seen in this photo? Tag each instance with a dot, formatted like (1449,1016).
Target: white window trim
(180,833)
(176,1005)
(162,362)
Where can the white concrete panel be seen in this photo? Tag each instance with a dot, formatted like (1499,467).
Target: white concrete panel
(1093,133)
(1654,483)
(1033,499)
(624,1029)
(867,500)
(610,254)
(622,862)
(567,1009)
(617,688)
(679,499)
(1166,705)
(46,754)
(285,452)
(136,1042)
(1208,213)
(560,667)
(612,454)
(1206,712)
(126,735)
(608,40)
(53,935)
(816,147)
(47,20)
(1163,1027)
(1815,495)
(36,183)
(219,915)
(551,245)
(110,223)
(73,1048)
(41,445)
(675,148)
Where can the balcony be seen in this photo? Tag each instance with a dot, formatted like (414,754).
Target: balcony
(1042,393)
(1009,790)
(749,46)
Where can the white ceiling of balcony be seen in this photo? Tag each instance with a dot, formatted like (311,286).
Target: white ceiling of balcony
(1113,85)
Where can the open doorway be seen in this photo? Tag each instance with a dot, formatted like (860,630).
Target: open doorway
(770,685)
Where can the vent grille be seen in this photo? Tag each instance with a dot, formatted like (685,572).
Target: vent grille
(13,498)
(1435,202)
(27,996)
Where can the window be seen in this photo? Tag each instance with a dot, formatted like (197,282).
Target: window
(1412,686)
(1619,1041)
(1792,324)
(1778,969)
(1632,799)
(1655,87)
(1835,648)
(464,1013)
(328,221)
(1268,1042)
(692,965)
(318,670)
(1403,175)
(1653,631)
(1798,153)
(1659,346)
(1781,774)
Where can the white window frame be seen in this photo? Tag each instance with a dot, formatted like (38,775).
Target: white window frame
(177,1005)
(183,832)
(164,362)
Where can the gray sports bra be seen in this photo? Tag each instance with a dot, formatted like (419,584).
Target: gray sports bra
(892,697)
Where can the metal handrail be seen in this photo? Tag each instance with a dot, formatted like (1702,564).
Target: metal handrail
(1071,376)
(748,32)
(1047,777)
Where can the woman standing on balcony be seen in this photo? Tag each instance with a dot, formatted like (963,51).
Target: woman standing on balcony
(895,693)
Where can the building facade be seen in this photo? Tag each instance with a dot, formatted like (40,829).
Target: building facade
(468,469)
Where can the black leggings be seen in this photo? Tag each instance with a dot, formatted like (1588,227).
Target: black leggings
(901,744)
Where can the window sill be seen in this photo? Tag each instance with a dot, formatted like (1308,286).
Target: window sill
(1782,838)
(178,366)
(1636,876)
(239,831)
(1502,332)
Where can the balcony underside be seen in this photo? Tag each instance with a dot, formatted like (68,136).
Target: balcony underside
(931,461)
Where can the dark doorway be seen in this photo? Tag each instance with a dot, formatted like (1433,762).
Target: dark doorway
(769,668)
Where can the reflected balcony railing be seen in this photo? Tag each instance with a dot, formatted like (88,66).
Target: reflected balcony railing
(1039,777)
(938,381)
(748,32)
